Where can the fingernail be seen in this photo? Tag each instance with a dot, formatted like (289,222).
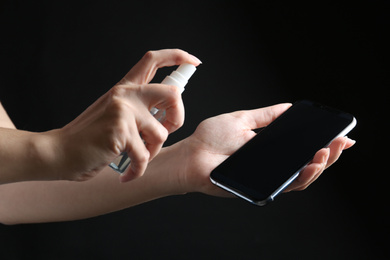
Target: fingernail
(348,141)
(196,59)
(326,156)
(351,140)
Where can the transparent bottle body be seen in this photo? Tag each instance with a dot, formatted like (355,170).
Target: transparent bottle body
(123,161)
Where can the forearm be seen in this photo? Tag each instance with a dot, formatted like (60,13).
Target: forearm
(5,121)
(25,156)
(20,157)
(28,202)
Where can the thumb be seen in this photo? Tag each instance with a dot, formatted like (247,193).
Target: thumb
(262,117)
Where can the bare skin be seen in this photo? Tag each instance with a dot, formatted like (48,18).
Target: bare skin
(178,169)
(84,147)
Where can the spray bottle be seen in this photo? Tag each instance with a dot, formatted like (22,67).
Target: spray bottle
(178,78)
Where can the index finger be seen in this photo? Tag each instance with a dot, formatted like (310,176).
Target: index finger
(144,71)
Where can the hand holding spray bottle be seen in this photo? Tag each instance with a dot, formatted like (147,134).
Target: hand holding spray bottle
(178,78)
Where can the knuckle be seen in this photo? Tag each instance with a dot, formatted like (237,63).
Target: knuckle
(174,90)
(149,55)
(117,110)
(118,136)
(116,124)
(115,136)
(119,103)
(161,134)
(179,55)
(122,91)
(179,123)
(138,162)
(157,133)
(240,114)
(143,158)
(172,94)
(117,91)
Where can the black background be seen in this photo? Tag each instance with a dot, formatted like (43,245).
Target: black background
(57,57)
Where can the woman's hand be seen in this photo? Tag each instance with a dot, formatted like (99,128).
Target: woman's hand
(217,138)
(113,123)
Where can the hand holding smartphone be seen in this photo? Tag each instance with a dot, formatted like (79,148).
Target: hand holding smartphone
(269,162)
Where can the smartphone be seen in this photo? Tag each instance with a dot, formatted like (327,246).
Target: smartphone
(269,162)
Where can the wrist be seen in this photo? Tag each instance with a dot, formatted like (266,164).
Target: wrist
(187,168)
(197,162)
(170,167)
(45,155)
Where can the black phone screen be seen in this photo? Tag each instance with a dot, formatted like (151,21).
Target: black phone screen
(281,149)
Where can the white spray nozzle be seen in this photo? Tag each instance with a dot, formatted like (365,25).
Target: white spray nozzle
(180,76)
(186,70)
